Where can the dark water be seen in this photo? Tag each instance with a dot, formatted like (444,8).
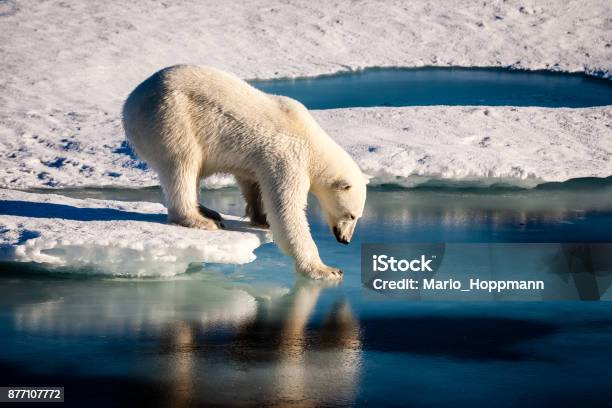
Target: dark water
(444,86)
(259,335)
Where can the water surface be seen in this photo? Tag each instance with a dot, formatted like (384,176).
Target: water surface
(444,86)
(258,334)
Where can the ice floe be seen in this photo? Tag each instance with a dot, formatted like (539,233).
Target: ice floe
(113,237)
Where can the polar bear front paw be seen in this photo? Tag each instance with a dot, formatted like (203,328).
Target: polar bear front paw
(321,271)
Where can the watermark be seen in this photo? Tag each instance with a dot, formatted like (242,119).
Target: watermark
(481,271)
(31,394)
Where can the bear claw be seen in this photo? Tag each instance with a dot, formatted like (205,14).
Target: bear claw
(208,213)
(199,223)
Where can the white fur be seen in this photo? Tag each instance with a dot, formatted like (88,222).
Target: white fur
(189,122)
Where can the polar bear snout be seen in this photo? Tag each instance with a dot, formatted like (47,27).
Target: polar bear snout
(339,236)
(343,231)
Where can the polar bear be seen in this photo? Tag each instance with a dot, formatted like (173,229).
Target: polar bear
(188,122)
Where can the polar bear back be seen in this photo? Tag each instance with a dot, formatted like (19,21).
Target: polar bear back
(219,106)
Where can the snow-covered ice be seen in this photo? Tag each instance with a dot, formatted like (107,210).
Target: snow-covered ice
(484,145)
(113,237)
(68,65)
(406,146)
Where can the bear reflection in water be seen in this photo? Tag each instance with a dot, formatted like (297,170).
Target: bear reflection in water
(212,342)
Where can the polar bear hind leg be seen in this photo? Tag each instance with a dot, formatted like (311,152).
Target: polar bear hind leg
(251,192)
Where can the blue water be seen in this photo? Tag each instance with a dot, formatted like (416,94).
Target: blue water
(444,86)
(197,339)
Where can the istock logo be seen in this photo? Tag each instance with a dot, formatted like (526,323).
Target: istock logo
(383,263)
(396,270)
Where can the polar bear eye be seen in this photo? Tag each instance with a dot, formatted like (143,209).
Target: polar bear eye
(351,216)
(341,185)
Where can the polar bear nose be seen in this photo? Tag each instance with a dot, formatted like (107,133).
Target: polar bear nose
(339,236)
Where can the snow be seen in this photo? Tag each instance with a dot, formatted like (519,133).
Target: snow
(406,146)
(112,237)
(67,66)
(477,145)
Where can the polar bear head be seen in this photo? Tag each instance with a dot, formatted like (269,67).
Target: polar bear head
(343,199)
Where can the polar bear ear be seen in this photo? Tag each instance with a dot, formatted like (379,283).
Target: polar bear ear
(340,184)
